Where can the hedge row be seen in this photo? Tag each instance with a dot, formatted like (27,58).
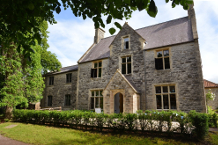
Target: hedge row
(192,123)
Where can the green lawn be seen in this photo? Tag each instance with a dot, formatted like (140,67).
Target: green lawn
(44,135)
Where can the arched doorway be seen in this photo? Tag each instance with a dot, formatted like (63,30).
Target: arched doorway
(118,103)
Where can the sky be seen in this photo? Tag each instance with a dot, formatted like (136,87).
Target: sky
(70,38)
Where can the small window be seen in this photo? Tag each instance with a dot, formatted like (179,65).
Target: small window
(96,71)
(162,60)
(49,100)
(67,100)
(69,78)
(96,99)
(126,43)
(51,80)
(126,65)
(165,97)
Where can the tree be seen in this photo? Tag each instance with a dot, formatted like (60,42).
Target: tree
(22,80)
(18,17)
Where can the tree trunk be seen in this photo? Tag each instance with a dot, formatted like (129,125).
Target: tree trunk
(8,112)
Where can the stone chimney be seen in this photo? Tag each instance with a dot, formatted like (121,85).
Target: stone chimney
(99,34)
(191,16)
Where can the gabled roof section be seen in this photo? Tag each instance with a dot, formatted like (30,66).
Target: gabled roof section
(99,51)
(64,70)
(125,24)
(160,35)
(209,84)
(127,81)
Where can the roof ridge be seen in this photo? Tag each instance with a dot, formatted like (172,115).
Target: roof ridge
(69,66)
(211,82)
(151,25)
(162,23)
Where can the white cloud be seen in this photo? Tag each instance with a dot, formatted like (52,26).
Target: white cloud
(70,38)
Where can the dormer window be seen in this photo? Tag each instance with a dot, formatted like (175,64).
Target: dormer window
(126,43)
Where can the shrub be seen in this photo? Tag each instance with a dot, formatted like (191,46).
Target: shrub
(200,122)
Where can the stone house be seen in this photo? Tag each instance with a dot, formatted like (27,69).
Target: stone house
(213,87)
(155,67)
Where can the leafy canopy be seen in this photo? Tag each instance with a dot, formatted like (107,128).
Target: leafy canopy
(18,17)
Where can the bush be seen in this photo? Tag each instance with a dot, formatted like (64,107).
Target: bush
(153,121)
(200,122)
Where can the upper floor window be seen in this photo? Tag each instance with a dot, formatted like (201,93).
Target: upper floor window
(126,42)
(67,100)
(68,78)
(49,100)
(162,60)
(165,97)
(126,65)
(96,100)
(96,71)
(51,80)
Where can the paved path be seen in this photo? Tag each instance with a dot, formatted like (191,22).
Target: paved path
(213,129)
(8,141)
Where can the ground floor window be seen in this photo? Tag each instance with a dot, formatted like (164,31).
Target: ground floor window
(67,100)
(96,99)
(49,100)
(165,97)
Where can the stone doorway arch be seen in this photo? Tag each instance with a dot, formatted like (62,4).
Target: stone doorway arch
(118,103)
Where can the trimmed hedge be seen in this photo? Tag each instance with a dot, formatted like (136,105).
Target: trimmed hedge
(165,121)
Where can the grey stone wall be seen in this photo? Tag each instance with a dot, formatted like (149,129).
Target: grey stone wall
(137,77)
(185,73)
(213,103)
(110,66)
(59,90)
(86,83)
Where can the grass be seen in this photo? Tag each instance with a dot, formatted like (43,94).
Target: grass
(44,135)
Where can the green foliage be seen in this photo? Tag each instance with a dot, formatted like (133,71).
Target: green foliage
(21,70)
(153,121)
(210,95)
(200,122)
(20,20)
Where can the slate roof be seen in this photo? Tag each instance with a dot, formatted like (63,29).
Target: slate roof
(209,84)
(64,70)
(159,35)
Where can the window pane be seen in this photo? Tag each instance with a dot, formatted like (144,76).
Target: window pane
(92,103)
(126,39)
(97,93)
(123,60)
(97,103)
(173,101)
(165,102)
(101,102)
(167,63)
(123,68)
(158,89)
(129,68)
(95,65)
(172,89)
(166,52)
(165,89)
(158,98)
(159,54)
(128,59)
(99,72)
(99,64)
(93,93)
(101,93)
